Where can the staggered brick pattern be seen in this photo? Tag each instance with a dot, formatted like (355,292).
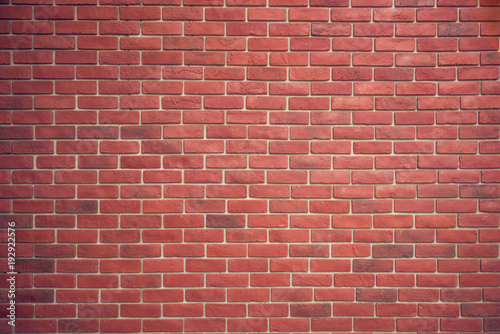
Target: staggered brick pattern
(251,165)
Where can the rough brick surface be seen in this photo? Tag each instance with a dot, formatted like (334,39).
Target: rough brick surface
(251,166)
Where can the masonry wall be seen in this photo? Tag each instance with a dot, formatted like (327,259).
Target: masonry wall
(251,165)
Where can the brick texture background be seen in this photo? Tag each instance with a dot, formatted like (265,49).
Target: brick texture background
(251,165)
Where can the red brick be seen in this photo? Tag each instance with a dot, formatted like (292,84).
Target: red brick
(398,15)
(289,29)
(415,29)
(266,14)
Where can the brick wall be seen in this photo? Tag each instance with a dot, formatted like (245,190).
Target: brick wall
(251,165)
